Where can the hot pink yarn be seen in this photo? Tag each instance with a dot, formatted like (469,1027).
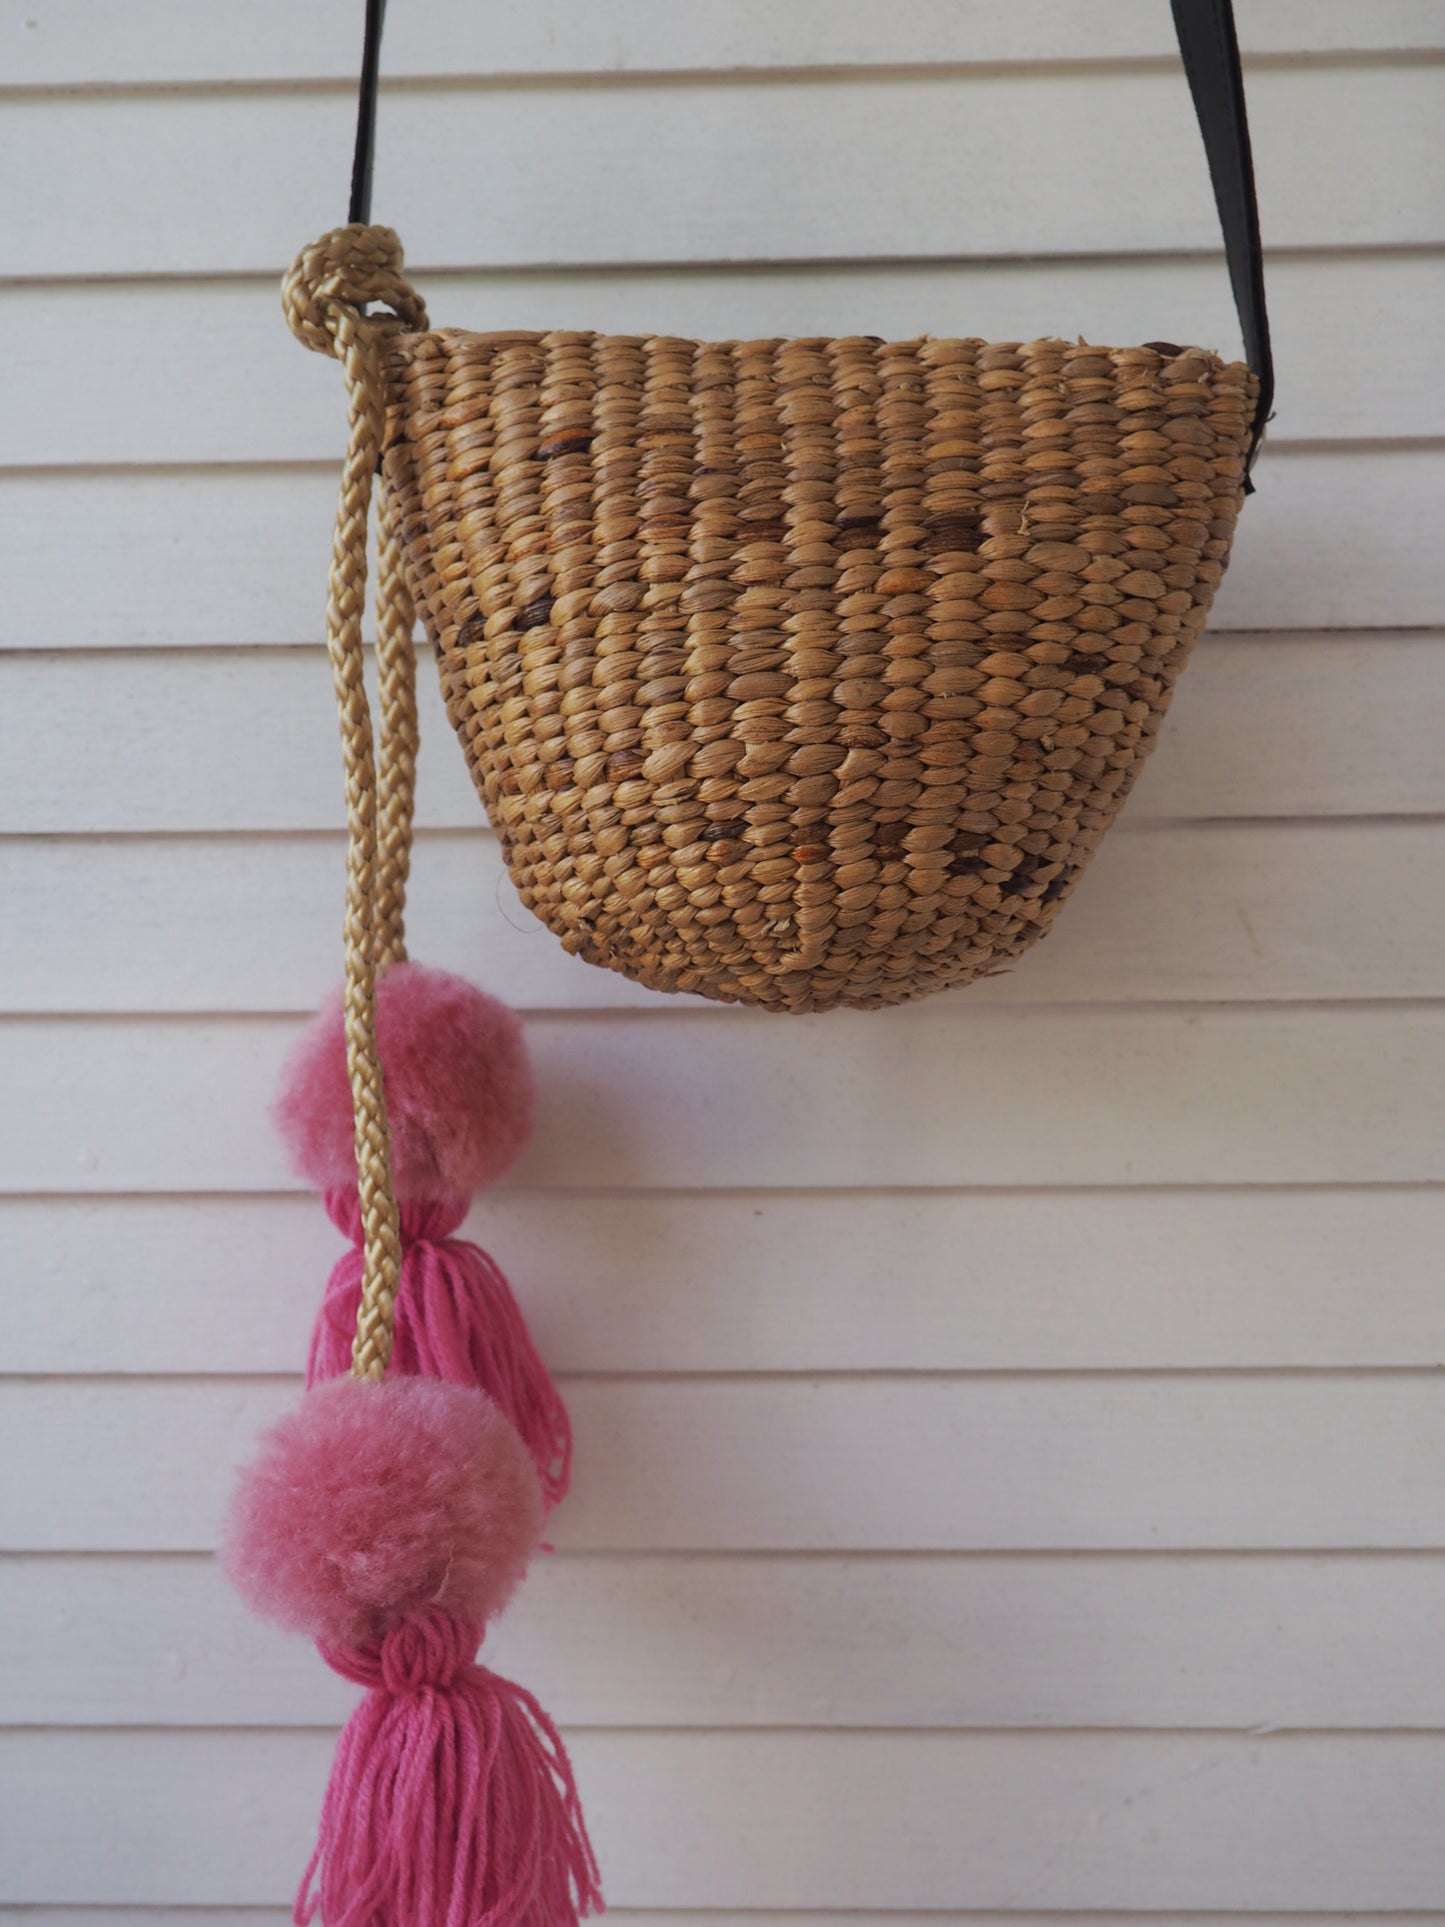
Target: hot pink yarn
(460,1094)
(451,1801)
(373,1502)
(456,1318)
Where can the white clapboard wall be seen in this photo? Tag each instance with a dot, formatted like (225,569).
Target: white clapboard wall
(1011,1431)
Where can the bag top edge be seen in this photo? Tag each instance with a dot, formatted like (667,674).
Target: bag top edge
(413,346)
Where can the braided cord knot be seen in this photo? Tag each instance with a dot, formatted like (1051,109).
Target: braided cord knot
(330,284)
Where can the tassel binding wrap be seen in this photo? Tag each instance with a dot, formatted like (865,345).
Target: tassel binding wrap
(391,1514)
(456,1318)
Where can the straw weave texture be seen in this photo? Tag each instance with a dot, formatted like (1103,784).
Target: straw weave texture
(808,673)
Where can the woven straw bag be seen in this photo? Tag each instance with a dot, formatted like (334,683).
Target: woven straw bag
(805,673)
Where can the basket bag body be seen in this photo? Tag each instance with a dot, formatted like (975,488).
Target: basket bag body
(805,673)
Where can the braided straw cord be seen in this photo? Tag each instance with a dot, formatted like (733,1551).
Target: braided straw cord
(325,296)
(400,738)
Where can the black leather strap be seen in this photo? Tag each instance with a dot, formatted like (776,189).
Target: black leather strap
(1211,60)
(365,150)
(1210,52)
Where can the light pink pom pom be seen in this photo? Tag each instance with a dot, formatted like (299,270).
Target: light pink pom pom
(373,1501)
(459,1089)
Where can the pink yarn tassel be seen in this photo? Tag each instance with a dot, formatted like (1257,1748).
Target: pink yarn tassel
(451,1801)
(456,1319)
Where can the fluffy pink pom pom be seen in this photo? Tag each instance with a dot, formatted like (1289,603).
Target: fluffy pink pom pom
(372,1501)
(459,1088)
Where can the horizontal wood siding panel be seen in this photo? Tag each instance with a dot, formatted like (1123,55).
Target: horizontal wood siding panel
(1247,911)
(179,558)
(726,1099)
(51,44)
(46,1916)
(1154,1823)
(1254,1642)
(213,374)
(711,1918)
(691,170)
(867,1463)
(1324,724)
(775,1282)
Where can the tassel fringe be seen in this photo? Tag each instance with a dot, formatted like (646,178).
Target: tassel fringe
(452,1801)
(456,1318)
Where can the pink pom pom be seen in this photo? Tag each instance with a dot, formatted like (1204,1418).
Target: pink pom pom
(371,1502)
(460,1094)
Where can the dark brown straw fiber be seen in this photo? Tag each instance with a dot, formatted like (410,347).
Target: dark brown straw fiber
(807,673)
